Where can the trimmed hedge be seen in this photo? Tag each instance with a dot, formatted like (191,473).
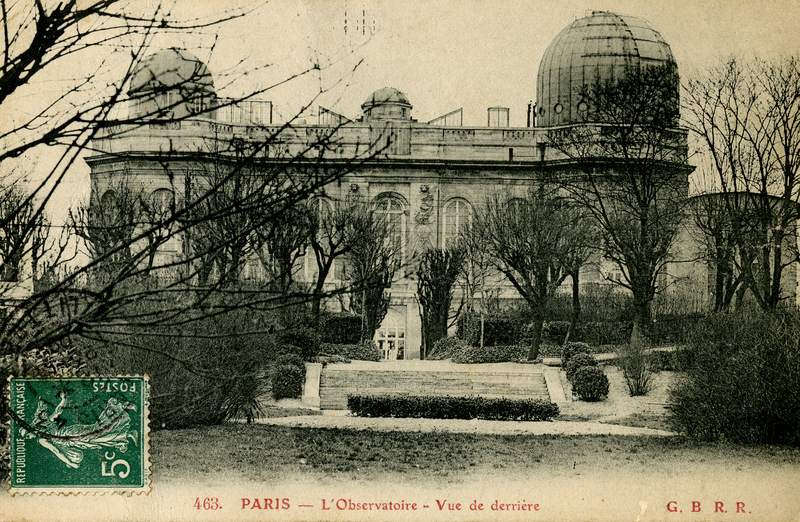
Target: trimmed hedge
(491,354)
(448,407)
(287,376)
(594,332)
(341,329)
(366,351)
(460,352)
(498,330)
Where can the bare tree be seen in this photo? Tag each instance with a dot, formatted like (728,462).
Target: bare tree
(527,239)
(579,249)
(748,119)
(106,42)
(280,244)
(18,225)
(630,175)
(436,275)
(370,266)
(106,227)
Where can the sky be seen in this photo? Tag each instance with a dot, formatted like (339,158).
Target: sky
(470,54)
(444,54)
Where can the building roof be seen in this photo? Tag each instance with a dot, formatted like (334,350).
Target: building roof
(597,48)
(171,68)
(387,103)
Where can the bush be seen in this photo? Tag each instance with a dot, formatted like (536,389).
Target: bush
(572,349)
(289,358)
(605,332)
(432,407)
(203,374)
(366,351)
(306,339)
(742,380)
(447,348)
(490,354)
(341,329)
(674,328)
(287,375)
(578,361)
(498,330)
(287,381)
(553,332)
(671,360)
(637,368)
(590,384)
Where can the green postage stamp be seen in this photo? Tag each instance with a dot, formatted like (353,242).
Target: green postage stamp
(79,435)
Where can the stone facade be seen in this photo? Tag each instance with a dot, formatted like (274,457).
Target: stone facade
(429,176)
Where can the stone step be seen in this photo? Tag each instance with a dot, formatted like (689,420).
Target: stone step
(338,382)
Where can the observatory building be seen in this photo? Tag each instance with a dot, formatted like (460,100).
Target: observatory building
(427,178)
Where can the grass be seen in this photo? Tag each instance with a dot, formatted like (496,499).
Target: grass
(634,420)
(270,412)
(271,454)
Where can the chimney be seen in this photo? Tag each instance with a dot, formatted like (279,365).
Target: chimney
(498,116)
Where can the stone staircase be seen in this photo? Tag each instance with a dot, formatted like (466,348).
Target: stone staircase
(516,381)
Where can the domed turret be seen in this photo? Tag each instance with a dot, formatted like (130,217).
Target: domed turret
(171,83)
(595,49)
(387,104)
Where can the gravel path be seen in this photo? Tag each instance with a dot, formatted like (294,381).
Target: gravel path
(460,426)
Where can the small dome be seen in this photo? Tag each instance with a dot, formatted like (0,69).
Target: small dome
(600,47)
(387,103)
(171,68)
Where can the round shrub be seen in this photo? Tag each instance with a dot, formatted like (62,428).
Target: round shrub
(287,381)
(306,339)
(590,384)
(289,358)
(570,350)
(577,362)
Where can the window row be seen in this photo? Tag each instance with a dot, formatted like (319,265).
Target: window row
(456,214)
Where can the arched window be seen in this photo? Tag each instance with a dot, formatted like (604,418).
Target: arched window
(109,199)
(392,209)
(109,206)
(456,220)
(391,336)
(323,213)
(161,203)
(157,213)
(517,205)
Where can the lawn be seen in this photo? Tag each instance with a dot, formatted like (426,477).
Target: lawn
(272,454)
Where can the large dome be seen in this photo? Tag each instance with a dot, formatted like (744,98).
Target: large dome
(597,48)
(387,103)
(171,69)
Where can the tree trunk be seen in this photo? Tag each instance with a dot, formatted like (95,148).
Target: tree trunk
(536,340)
(576,307)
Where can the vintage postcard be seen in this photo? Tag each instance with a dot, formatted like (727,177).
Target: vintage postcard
(333,260)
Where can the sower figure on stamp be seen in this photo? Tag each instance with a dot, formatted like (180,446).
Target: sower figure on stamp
(111,430)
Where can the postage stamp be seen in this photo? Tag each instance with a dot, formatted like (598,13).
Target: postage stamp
(79,435)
